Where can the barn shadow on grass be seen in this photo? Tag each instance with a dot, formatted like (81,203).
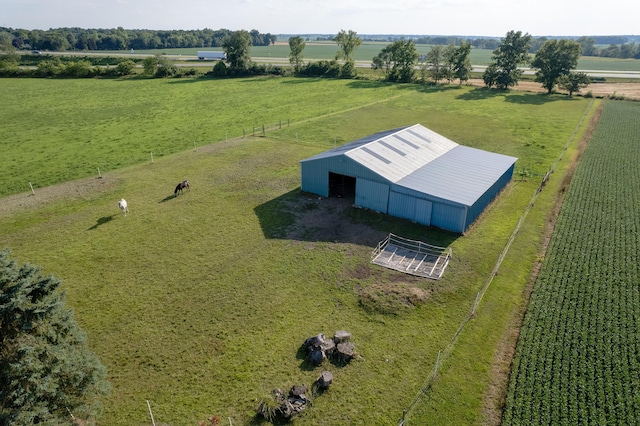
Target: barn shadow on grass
(102,221)
(301,216)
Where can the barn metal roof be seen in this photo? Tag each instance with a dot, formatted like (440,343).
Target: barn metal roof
(461,176)
(422,160)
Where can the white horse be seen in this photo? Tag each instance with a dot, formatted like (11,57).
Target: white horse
(122,204)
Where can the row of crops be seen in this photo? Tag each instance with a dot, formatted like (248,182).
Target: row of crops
(578,357)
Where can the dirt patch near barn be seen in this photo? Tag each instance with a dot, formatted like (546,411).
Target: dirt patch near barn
(326,219)
(378,289)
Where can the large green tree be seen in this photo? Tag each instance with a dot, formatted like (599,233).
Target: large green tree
(383,61)
(461,62)
(398,61)
(435,63)
(503,71)
(556,58)
(48,375)
(296,46)
(237,46)
(348,42)
(573,82)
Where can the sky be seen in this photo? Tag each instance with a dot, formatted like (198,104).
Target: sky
(492,18)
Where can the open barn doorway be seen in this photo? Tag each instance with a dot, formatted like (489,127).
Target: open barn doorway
(342,186)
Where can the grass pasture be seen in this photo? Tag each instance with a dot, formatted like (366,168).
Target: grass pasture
(58,130)
(200,303)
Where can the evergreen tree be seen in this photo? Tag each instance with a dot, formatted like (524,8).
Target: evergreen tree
(48,375)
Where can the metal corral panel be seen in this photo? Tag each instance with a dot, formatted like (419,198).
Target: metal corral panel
(372,195)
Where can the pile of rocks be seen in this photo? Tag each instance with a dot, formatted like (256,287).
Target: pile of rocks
(318,348)
(339,348)
(285,406)
(293,403)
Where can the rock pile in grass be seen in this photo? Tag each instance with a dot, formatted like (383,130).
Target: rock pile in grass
(339,348)
(284,406)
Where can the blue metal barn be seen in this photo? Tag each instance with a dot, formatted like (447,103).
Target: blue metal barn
(413,173)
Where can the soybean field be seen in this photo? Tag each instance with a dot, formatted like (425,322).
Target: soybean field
(578,355)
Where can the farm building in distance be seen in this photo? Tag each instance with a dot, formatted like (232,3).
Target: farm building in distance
(412,173)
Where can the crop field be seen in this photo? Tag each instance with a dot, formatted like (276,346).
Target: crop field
(200,303)
(578,357)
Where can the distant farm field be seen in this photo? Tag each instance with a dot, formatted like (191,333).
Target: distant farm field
(368,50)
(200,303)
(578,356)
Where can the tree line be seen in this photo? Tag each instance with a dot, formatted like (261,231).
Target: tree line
(554,62)
(80,39)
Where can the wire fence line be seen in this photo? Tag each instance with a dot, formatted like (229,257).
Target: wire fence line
(18,186)
(442,355)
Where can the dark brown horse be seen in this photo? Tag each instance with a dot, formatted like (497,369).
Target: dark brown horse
(181,187)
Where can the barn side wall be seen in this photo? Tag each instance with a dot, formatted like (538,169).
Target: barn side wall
(427,210)
(372,195)
(479,206)
(314,175)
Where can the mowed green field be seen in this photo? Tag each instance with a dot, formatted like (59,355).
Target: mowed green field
(200,303)
(58,130)
(578,356)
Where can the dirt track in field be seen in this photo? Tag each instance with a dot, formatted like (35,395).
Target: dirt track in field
(628,90)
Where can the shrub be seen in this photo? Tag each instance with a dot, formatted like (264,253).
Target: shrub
(320,69)
(219,69)
(125,67)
